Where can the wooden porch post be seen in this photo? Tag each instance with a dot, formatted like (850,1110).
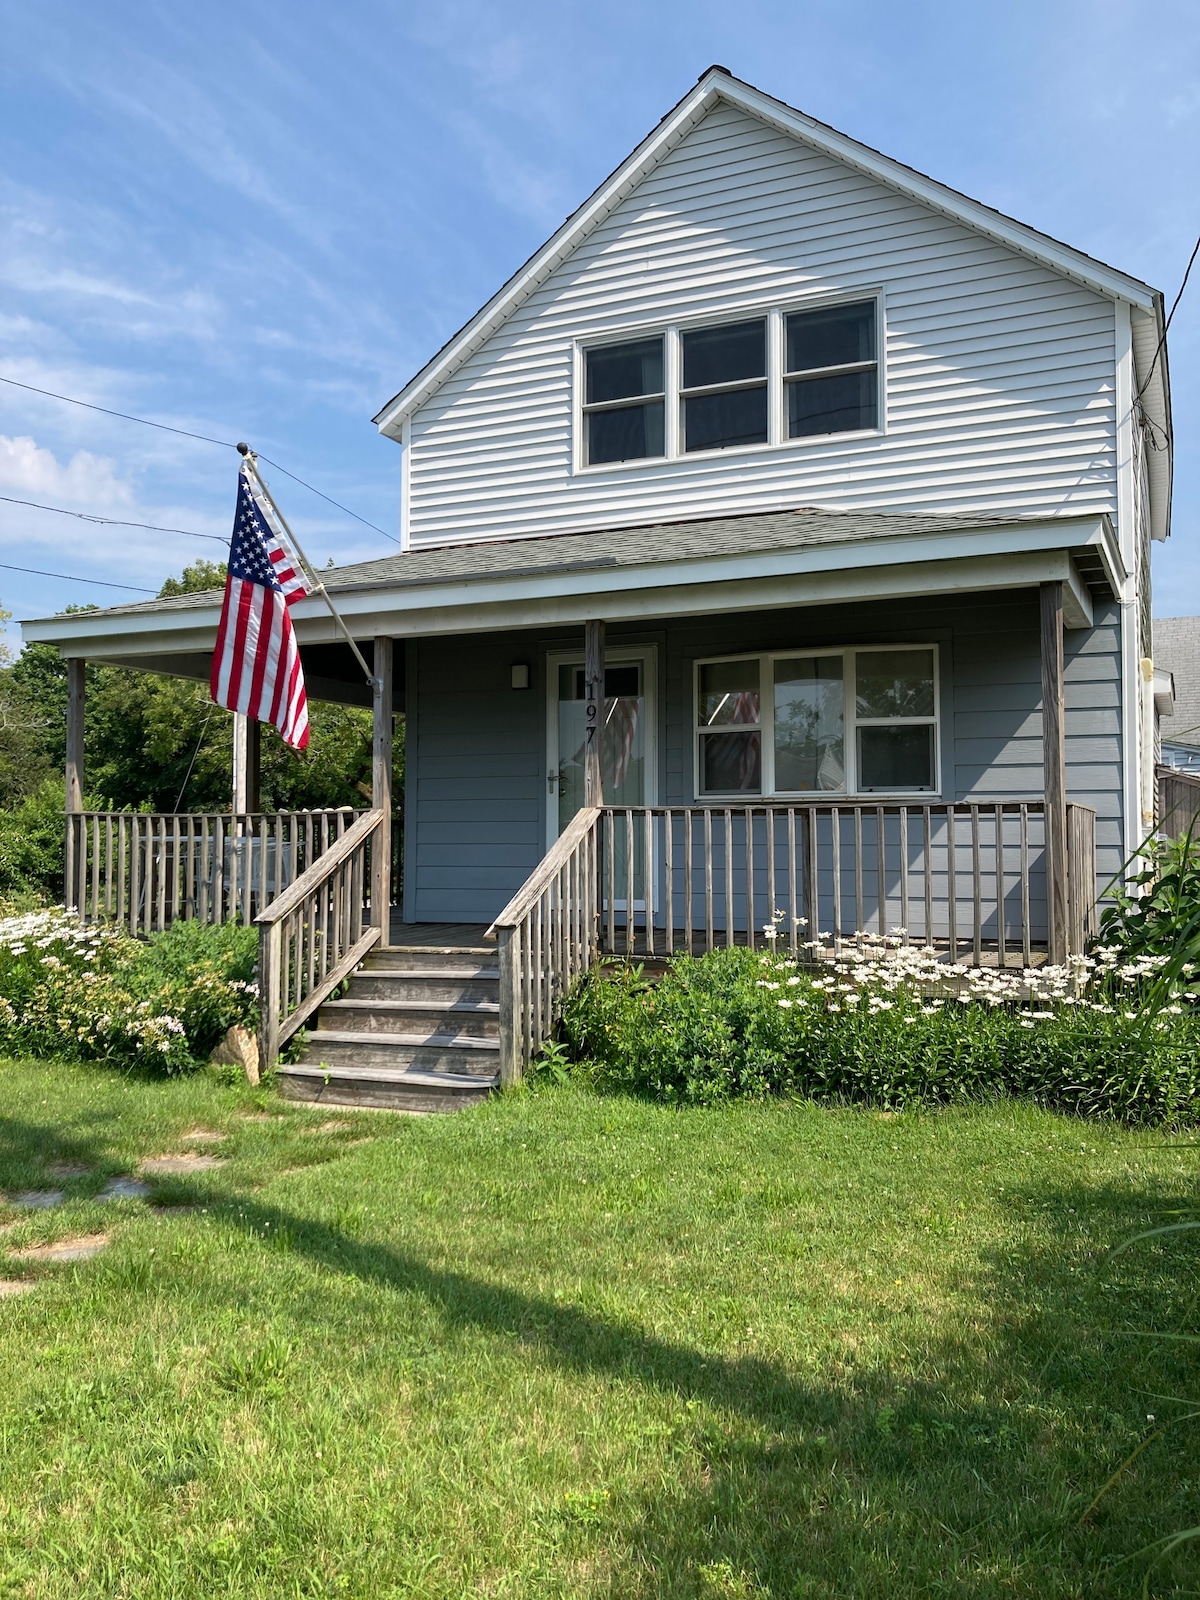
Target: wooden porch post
(1054,759)
(247,763)
(381,790)
(593,690)
(73,866)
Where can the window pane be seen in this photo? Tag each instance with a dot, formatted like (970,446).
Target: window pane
(623,680)
(728,693)
(893,683)
(625,434)
(618,370)
(831,338)
(731,763)
(895,758)
(810,748)
(723,355)
(833,405)
(716,421)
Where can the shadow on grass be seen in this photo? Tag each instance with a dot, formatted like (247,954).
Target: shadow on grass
(967,1480)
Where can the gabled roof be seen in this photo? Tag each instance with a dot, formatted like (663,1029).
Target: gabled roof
(717,85)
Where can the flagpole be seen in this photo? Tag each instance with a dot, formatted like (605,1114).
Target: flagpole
(251,460)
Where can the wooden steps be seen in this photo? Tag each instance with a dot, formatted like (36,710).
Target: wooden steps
(418,1029)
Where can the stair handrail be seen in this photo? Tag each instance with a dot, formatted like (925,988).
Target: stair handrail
(546,937)
(312,936)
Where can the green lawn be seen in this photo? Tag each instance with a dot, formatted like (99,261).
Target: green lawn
(568,1346)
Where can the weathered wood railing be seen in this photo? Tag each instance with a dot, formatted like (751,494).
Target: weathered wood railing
(146,870)
(546,938)
(316,932)
(969,878)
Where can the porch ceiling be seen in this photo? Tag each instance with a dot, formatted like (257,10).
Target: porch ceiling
(716,564)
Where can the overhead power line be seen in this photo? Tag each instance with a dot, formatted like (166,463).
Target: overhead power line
(112,522)
(1166,325)
(204,438)
(69,577)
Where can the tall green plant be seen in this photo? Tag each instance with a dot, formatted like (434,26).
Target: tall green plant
(1155,913)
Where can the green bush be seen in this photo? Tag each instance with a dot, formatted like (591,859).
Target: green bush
(881,1027)
(94,993)
(31,844)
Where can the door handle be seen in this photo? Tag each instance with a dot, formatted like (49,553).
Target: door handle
(551,779)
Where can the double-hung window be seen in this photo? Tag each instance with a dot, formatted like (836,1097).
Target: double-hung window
(774,378)
(858,721)
(624,401)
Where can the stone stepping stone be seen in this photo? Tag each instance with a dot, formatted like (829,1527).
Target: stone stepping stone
(66,1169)
(38,1199)
(202,1136)
(172,1166)
(81,1248)
(10,1286)
(124,1189)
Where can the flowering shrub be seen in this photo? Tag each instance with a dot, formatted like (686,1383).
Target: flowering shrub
(94,993)
(881,1022)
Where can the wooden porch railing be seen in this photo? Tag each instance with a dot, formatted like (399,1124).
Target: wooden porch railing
(316,931)
(146,870)
(546,937)
(969,879)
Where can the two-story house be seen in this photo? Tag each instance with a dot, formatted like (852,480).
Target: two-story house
(796,510)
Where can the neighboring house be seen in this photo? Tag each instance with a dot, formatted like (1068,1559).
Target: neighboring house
(1177,657)
(851,467)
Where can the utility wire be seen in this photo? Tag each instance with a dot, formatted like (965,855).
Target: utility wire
(204,438)
(112,522)
(1166,325)
(70,577)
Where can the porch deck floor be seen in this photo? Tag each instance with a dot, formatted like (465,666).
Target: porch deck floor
(470,935)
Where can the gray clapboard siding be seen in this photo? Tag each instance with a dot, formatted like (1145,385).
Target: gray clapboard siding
(477,792)
(1000,373)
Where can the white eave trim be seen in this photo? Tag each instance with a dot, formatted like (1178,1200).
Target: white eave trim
(715,86)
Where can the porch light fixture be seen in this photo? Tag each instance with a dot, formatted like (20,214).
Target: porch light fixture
(520,675)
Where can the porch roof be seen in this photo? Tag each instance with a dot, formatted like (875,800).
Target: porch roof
(791,557)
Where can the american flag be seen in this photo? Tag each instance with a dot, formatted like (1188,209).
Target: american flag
(256,666)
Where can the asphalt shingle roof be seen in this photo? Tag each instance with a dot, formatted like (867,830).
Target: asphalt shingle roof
(618,547)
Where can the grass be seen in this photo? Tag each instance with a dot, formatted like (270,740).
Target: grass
(572,1346)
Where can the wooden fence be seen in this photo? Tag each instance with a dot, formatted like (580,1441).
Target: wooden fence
(1178,802)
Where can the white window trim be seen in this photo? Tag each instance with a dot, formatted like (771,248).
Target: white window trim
(851,722)
(775,314)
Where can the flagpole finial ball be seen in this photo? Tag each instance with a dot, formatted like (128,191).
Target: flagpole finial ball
(243,449)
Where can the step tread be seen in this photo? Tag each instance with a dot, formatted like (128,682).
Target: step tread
(468,1008)
(418,1077)
(410,1041)
(404,974)
(488,949)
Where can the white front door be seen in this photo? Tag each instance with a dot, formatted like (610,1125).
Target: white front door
(627,736)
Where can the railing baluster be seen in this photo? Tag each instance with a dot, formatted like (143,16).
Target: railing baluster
(668,882)
(750,928)
(95,831)
(1026,931)
(793,910)
(730,921)
(927,851)
(858,871)
(952,880)
(709,930)
(769,830)
(904,871)
(812,906)
(1001,949)
(835,825)
(649,874)
(881,868)
(630,936)
(977,885)
(687,881)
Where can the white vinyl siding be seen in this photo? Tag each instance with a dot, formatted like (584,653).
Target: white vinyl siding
(998,372)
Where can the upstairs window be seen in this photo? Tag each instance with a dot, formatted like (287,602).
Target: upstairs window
(624,401)
(725,386)
(831,376)
(769,380)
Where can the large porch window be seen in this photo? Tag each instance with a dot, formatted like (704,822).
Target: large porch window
(851,721)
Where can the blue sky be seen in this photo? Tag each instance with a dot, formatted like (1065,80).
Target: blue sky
(257,220)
